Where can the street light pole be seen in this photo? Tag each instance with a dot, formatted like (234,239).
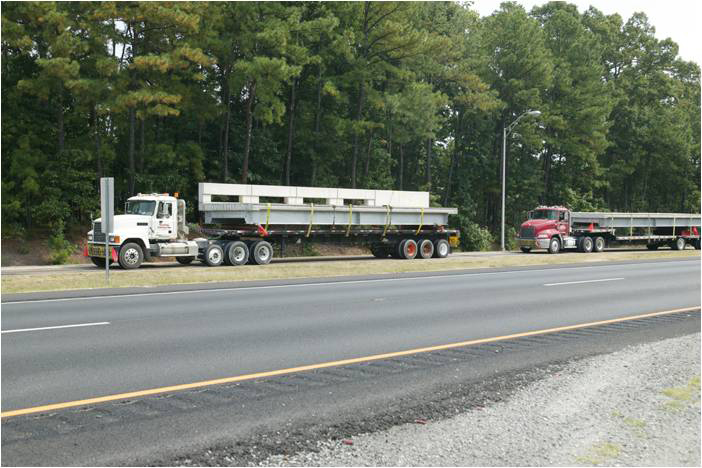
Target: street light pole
(506,131)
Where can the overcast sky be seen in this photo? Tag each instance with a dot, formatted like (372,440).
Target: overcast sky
(676,19)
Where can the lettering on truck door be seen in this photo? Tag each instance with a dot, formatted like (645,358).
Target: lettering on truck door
(164,220)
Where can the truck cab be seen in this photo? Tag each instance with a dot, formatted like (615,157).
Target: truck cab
(547,227)
(153,225)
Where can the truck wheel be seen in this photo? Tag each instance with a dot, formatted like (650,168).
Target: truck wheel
(185,260)
(599,244)
(526,249)
(396,251)
(214,255)
(586,244)
(130,256)
(697,244)
(554,246)
(441,248)
(261,253)
(378,250)
(237,253)
(409,249)
(652,246)
(99,261)
(679,244)
(426,248)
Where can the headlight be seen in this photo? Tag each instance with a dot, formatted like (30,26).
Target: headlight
(542,236)
(90,237)
(115,239)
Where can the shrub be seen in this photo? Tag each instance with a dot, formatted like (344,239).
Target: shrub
(475,237)
(59,248)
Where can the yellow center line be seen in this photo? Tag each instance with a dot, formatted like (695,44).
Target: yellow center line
(343,362)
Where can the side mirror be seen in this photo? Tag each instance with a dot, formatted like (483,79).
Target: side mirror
(530,214)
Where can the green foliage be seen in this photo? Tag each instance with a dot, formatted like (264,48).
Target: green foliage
(59,248)
(380,95)
(475,237)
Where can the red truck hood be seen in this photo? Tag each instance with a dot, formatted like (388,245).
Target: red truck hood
(539,224)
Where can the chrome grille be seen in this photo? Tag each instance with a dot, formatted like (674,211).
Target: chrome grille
(98,235)
(527,233)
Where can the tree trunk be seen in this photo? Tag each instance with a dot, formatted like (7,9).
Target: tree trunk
(291,123)
(247,144)
(61,132)
(142,144)
(132,131)
(96,135)
(368,157)
(428,168)
(359,111)
(454,155)
(225,136)
(402,165)
(317,124)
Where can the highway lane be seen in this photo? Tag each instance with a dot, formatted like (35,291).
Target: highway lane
(145,341)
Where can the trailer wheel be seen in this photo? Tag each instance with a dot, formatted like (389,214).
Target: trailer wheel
(130,256)
(237,253)
(214,255)
(396,250)
(99,261)
(525,249)
(261,253)
(599,244)
(441,248)
(652,246)
(679,244)
(554,246)
(426,248)
(378,250)
(409,249)
(586,244)
(185,260)
(697,244)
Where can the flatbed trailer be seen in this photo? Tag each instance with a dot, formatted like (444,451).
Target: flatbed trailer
(242,222)
(556,228)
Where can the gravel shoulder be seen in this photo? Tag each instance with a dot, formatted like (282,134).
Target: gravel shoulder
(636,407)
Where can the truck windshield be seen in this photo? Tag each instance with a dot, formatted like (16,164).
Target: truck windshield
(141,207)
(544,214)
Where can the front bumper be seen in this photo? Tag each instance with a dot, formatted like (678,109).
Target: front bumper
(533,243)
(97,249)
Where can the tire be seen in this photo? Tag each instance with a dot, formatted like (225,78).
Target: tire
(586,244)
(396,251)
(378,250)
(679,244)
(225,249)
(130,256)
(441,248)
(185,260)
(409,249)
(214,255)
(697,244)
(554,246)
(652,246)
(261,253)
(525,249)
(599,244)
(426,249)
(99,262)
(237,253)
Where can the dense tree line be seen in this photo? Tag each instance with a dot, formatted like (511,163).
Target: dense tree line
(383,95)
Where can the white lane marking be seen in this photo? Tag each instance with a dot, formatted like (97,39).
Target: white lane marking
(585,281)
(18,330)
(331,283)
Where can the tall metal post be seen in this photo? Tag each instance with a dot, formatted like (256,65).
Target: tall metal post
(107,209)
(504,170)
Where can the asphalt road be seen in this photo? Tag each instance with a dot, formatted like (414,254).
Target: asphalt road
(175,337)
(63,350)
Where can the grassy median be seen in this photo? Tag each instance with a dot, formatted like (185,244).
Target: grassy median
(198,273)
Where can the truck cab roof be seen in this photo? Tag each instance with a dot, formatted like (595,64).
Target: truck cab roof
(153,197)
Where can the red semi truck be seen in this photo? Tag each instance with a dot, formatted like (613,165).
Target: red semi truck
(556,228)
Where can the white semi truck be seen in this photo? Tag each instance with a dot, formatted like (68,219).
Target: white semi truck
(243,221)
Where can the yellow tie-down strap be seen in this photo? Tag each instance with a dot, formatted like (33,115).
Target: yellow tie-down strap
(348,228)
(388,219)
(309,228)
(421,222)
(268,216)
